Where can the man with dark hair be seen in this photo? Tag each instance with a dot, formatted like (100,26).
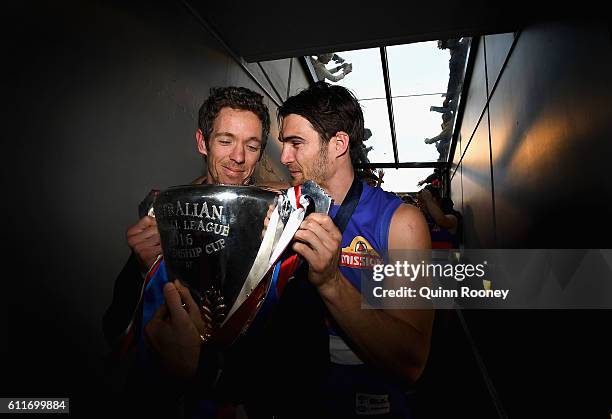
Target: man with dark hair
(226,111)
(375,353)
(233,127)
(323,355)
(232,105)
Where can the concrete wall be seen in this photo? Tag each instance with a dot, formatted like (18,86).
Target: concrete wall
(101,106)
(531,172)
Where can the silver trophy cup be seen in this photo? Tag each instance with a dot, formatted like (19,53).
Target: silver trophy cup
(222,242)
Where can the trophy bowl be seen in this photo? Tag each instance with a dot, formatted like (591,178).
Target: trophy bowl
(210,237)
(222,242)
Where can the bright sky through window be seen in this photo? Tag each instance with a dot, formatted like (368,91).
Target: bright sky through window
(419,76)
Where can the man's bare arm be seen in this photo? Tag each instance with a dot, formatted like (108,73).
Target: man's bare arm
(396,341)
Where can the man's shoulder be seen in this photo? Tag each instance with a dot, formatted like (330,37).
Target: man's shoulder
(377,194)
(199,181)
(408,228)
(407,212)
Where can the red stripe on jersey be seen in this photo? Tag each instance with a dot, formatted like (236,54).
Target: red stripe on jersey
(128,339)
(286,271)
(297,190)
(441,245)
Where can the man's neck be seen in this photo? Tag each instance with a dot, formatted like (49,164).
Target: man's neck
(339,184)
(209,180)
(199,181)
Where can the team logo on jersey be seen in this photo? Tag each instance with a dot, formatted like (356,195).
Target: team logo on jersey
(360,254)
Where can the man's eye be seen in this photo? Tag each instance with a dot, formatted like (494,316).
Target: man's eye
(252,148)
(225,142)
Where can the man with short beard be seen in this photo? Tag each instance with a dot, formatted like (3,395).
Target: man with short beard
(374,354)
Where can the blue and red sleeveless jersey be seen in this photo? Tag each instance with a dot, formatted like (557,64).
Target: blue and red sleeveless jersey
(366,237)
(365,243)
(441,238)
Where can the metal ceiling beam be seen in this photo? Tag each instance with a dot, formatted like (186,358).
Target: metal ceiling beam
(517,34)
(407,165)
(289,78)
(385,69)
(467,77)
(265,73)
(241,62)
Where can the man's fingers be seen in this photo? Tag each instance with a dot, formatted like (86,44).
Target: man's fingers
(147,254)
(142,224)
(144,249)
(327,239)
(173,301)
(145,224)
(309,238)
(147,221)
(142,246)
(268,215)
(149,234)
(324,221)
(271,208)
(305,251)
(192,307)
(160,315)
(155,324)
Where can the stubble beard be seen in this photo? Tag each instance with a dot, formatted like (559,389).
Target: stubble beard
(319,169)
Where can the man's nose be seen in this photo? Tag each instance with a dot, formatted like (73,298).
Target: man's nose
(237,154)
(287,156)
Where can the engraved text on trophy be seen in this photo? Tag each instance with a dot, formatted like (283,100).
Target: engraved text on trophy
(195,217)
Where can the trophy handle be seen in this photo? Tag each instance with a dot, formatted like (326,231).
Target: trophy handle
(213,311)
(238,323)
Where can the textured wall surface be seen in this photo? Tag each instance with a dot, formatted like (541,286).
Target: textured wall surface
(104,108)
(532,174)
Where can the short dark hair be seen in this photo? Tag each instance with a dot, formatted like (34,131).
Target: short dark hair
(239,98)
(329,109)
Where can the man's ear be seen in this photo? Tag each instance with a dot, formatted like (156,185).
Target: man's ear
(341,142)
(201,142)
